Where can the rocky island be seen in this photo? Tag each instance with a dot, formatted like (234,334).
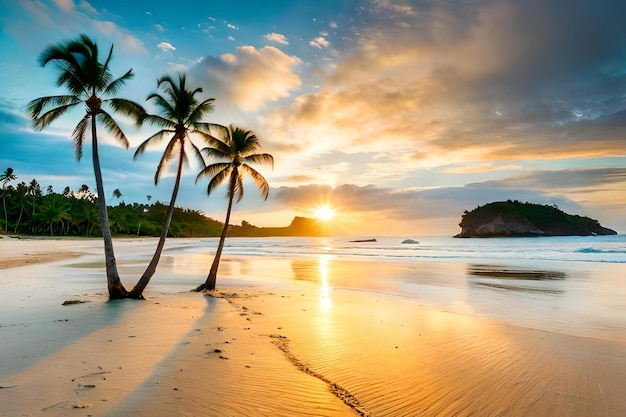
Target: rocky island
(516,219)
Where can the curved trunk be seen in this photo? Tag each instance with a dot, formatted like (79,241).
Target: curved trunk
(137,291)
(209,284)
(19,219)
(116,289)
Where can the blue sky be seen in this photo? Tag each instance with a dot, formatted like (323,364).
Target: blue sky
(400,114)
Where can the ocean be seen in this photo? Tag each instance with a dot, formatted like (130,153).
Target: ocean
(568,284)
(609,249)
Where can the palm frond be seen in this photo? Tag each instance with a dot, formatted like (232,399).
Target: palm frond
(258,179)
(71,79)
(111,125)
(78,136)
(51,115)
(201,109)
(105,67)
(164,105)
(168,155)
(58,52)
(114,86)
(160,121)
(218,154)
(128,108)
(168,79)
(218,179)
(197,153)
(260,158)
(87,74)
(66,57)
(214,143)
(36,106)
(212,129)
(244,141)
(157,137)
(213,169)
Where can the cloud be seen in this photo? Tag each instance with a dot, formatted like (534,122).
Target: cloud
(66,5)
(166,46)
(277,37)
(127,42)
(85,5)
(568,179)
(410,205)
(319,42)
(470,84)
(160,28)
(249,78)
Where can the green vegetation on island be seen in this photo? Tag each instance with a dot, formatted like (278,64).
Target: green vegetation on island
(516,219)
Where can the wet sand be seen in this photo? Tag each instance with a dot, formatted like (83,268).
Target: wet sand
(280,338)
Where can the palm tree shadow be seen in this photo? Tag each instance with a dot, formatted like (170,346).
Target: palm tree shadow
(134,398)
(27,343)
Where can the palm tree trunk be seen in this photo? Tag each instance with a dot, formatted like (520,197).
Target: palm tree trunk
(6,219)
(19,219)
(209,284)
(137,291)
(116,288)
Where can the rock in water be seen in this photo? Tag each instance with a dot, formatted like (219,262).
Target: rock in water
(70,302)
(409,242)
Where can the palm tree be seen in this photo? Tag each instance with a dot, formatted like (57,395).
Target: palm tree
(237,148)
(55,209)
(180,117)
(117,193)
(88,80)
(6,177)
(34,197)
(22,192)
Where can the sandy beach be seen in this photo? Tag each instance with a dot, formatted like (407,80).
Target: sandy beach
(280,337)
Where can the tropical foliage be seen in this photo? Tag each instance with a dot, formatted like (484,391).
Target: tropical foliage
(31,212)
(6,177)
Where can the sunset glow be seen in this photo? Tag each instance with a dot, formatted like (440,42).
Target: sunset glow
(324,213)
(406,113)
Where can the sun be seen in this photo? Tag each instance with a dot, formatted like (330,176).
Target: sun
(325,213)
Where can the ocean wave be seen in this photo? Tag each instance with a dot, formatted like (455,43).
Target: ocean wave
(594,250)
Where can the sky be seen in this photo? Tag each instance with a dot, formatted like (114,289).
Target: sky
(400,115)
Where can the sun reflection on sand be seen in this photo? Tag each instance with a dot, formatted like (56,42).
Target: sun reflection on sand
(325,300)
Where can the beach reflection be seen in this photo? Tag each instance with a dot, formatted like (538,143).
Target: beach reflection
(325,300)
(316,271)
(505,278)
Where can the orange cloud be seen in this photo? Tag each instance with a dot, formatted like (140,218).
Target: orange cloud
(250,78)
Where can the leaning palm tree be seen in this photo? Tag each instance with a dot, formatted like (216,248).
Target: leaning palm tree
(87,81)
(6,177)
(236,148)
(180,119)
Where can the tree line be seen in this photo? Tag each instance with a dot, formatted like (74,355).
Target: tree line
(29,210)
(91,86)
